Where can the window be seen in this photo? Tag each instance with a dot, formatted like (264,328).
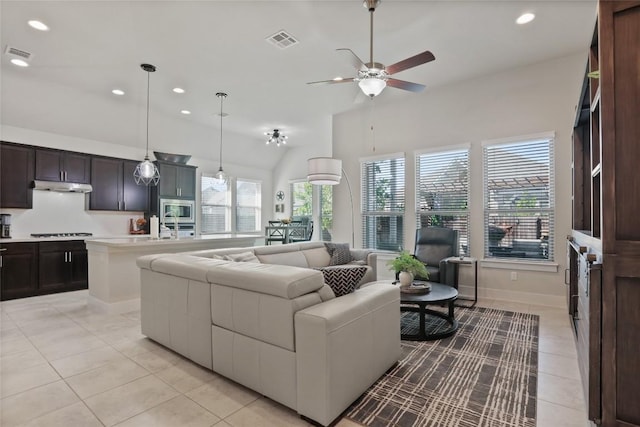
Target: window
(216,206)
(519,198)
(442,192)
(383,203)
(326,212)
(248,206)
(301,199)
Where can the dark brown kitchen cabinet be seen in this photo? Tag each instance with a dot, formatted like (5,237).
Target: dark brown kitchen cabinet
(177,181)
(18,270)
(66,166)
(16,175)
(114,188)
(63,266)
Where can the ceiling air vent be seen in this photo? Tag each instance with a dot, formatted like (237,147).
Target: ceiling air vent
(282,39)
(18,52)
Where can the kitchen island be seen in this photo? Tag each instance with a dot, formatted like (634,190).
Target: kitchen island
(114,275)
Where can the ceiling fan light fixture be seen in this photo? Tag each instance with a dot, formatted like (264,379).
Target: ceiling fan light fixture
(372,86)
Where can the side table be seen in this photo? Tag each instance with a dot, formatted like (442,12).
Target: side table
(456,260)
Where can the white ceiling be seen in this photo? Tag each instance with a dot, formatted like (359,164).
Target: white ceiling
(211,46)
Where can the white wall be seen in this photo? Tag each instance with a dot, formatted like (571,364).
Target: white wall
(538,98)
(57,212)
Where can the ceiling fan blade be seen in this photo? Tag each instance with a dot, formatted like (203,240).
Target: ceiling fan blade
(355,60)
(332,81)
(401,84)
(419,59)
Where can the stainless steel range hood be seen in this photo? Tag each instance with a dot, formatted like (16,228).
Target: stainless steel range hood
(62,187)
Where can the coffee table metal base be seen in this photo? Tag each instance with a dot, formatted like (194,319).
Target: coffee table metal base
(441,295)
(422,335)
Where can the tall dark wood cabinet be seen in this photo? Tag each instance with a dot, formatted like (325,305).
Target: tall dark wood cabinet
(16,176)
(604,248)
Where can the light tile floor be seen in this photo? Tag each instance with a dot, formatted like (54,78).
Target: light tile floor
(67,361)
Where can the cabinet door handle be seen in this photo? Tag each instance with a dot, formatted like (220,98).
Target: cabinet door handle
(124,205)
(61,176)
(65,176)
(65,257)
(70,259)
(0,261)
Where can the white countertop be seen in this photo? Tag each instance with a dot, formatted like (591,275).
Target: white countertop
(146,240)
(130,239)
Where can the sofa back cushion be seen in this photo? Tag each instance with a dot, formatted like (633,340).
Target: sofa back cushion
(241,257)
(317,257)
(293,259)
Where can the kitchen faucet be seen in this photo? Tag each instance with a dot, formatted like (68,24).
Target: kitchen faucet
(176,228)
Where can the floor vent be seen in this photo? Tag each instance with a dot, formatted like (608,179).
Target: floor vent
(282,39)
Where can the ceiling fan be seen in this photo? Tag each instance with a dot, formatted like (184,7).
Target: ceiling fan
(372,76)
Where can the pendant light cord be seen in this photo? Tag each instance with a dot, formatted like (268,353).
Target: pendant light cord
(221,96)
(148,80)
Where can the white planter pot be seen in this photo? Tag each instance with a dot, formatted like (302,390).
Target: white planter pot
(405,278)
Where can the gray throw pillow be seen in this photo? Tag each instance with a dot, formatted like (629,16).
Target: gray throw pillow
(339,252)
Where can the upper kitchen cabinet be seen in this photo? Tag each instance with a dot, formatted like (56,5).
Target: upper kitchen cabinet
(114,188)
(177,180)
(64,166)
(16,175)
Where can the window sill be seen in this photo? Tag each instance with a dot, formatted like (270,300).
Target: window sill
(544,266)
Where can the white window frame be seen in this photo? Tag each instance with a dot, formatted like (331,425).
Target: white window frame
(424,172)
(227,207)
(548,247)
(370,240)
(257,206)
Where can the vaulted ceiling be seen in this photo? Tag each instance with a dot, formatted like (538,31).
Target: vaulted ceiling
(206,47)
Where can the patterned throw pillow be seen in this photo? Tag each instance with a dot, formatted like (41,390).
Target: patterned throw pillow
(339,252)
(343,280)
(242,257)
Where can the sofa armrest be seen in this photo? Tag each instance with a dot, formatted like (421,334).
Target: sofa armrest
(343,346)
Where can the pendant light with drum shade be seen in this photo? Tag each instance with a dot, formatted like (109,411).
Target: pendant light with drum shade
(221,175)
(146,172)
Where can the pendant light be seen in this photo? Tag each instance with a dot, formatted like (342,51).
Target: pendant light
(146,172)
(220,175)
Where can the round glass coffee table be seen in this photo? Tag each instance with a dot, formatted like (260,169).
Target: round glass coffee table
(444,325)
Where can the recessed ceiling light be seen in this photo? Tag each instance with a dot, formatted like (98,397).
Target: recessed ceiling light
(178,90)
(38,25)
(185,112)
(19,62)
(117,92)
(525,18)
(337,79)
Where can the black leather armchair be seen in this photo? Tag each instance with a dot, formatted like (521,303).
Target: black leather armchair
(433,245)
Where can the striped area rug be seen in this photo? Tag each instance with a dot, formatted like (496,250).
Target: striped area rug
(484,375)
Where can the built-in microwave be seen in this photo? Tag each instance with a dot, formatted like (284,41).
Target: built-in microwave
(183,210)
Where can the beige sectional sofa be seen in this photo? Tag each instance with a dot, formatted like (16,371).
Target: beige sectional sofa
(274,326)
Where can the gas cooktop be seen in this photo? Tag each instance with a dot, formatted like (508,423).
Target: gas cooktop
(60,234)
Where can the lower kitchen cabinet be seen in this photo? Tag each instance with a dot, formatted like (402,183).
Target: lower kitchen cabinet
(62,266)
(18,270)
(30,269)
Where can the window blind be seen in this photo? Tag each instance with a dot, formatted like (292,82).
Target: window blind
(215,206)
(383,201)
(519,199)
(442,192)
(248,205)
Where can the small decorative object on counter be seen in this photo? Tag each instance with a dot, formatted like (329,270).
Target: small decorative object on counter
(136,225)
(154,227)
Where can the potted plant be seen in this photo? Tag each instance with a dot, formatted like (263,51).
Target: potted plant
(407,268)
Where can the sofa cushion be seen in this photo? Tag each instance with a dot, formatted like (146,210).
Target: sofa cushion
(317,257)
(242,257)
(339,252)
(293,259)
(343,279)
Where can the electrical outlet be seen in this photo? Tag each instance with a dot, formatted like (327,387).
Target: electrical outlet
(514,275)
